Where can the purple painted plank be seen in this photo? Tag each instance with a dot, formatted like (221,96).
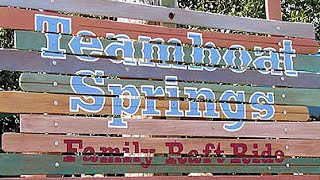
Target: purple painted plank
(32,61)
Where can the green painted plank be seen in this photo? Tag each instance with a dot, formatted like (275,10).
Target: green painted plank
(27,40)
(17,164)
(61,84)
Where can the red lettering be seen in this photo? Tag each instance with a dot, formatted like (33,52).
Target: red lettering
(221,160)
(90,150)
(195,160)
(206,160)
(126,149)
(117,159)
(267,153)
(255,155)
(103,159)
(70,149)
(127,160)
(136,159)
(171,161)
(236,151)
(182,160)
(279,154)
(136,146)
(110,150)
(174,147)
(207,149)
(147,162)
(218,151)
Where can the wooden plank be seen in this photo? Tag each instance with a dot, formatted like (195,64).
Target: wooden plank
(17,164)
(25,20)
(66,124)
(32,61)
(33,82)
(273,9)
(196,177)
(28,40)
(154,13)
(11,142)
(21,102)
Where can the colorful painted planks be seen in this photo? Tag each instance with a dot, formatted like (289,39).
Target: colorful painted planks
(196,176)
(97,125)
(17,164)
(145,53)
(25,20)
(31,61)
(20,102)
(160,14)
(50,83)
(43,143)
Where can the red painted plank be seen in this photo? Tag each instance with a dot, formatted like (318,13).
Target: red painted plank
(24,19)
(216,177)
(273,9)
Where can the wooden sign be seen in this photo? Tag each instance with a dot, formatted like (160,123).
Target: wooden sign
(198,176)
(32,61)
(145,53)
(172,146)
(189,127)
(160,14)
(10,164)
(34,82)
(242,101)
(25,20)
(19,102)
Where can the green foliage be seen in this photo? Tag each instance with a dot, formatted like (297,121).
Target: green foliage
(307,11)
(8,82)
(244,8)
(6,38)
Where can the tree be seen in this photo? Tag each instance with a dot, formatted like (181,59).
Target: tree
(307,11)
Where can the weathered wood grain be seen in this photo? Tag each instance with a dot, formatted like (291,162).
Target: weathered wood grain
(21,102)
(17,164)
(24,20)
(28,40)
(66,124)
(196,177)
(15,60)
(11,142)
(50,83)
(161,14)
(273,9)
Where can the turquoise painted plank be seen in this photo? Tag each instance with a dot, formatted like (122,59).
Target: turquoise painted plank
(27,40)
(61,84)
(17,164)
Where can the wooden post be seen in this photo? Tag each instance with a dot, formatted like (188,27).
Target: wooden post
(273,9)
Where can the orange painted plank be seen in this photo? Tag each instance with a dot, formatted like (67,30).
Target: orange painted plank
(214,177)
(65,124)
(41,143)
(24,19)
(22,102)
